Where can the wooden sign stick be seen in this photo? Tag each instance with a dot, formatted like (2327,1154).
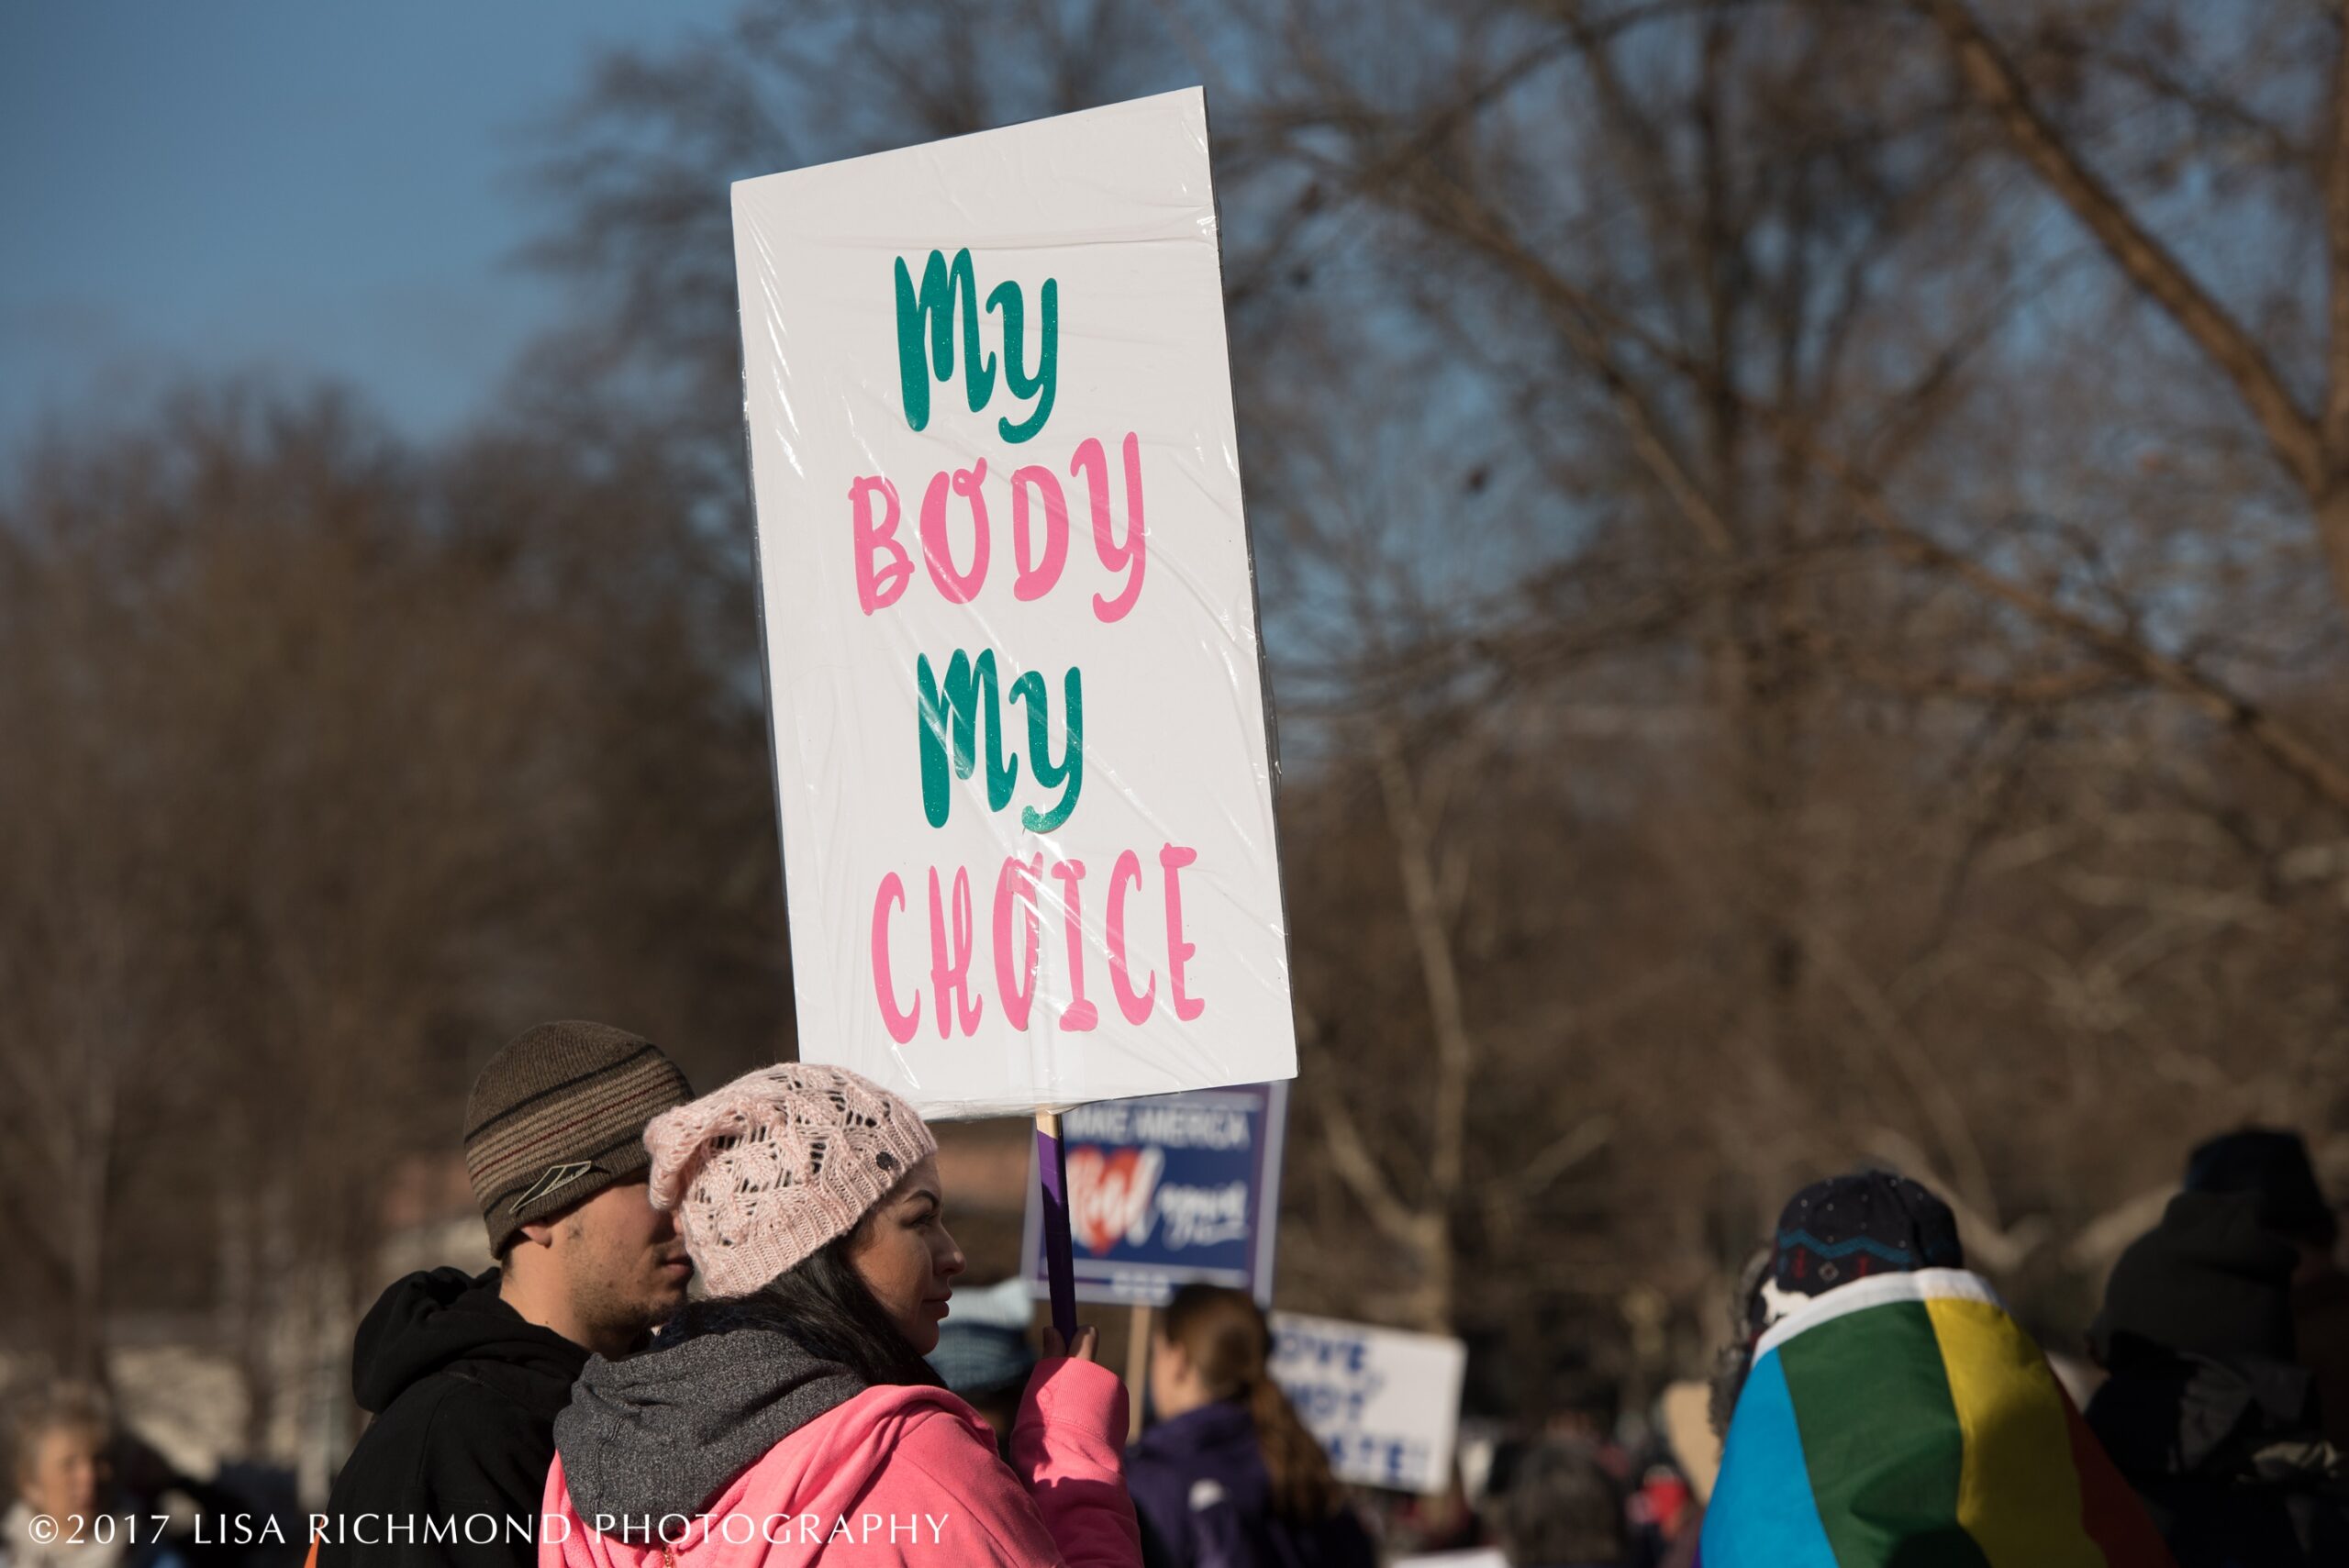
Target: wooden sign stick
(1138,1343)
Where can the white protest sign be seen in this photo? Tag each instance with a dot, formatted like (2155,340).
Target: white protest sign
(1009,616)
(1386,1403)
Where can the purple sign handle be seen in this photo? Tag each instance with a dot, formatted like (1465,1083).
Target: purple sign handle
(1060,1268)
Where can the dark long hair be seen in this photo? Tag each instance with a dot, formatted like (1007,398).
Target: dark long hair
(823,1303)
(1224,1333)
(1735,1361)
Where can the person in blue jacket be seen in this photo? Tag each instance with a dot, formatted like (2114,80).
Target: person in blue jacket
(1229,1476)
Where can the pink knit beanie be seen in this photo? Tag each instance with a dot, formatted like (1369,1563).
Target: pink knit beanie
(765,1170)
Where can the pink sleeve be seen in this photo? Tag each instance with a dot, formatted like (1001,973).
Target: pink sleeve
(1068,1448)
(1082,1519)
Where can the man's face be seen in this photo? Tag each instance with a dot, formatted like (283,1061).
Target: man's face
(622,1265)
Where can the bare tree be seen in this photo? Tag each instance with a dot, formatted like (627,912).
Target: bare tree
(335,764)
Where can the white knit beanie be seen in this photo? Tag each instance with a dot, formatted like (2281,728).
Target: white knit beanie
(765,1170)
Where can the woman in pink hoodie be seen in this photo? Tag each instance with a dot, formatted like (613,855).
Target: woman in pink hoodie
(790,1418)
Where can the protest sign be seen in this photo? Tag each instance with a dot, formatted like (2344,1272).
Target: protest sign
(1386,1403)
(1165,1191)
(1008,616)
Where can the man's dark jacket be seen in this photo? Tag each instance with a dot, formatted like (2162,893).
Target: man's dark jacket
(465,1394)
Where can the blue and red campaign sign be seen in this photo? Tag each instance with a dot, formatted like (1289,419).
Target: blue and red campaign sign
(1170,1189)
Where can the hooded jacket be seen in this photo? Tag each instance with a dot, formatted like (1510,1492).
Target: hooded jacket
(2227,1455)
(465,1394)
(2205,1412)
(729,1446)
(1199,1480)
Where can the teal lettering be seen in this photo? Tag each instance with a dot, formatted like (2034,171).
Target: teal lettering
(1007,298)
(952,712)
(1030,689)
(932,312)
(950,721)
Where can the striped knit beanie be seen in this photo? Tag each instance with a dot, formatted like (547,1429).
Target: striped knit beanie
(558,1116)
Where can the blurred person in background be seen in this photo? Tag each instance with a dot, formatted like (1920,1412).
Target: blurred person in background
(2206,1411)
(466,1376)
(1562,1509)
(66,1512)
(1661,1509)
(1229,1476)
(1684,1419)
(2273,1165)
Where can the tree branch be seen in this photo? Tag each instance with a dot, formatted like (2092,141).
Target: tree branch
(1456,209)
(2336,201)
(1995,83)
(1356,1165)
(1455,1046)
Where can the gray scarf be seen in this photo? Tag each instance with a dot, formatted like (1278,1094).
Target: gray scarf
(663,1432)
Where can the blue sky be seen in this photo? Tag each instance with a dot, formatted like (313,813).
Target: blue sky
(305,186)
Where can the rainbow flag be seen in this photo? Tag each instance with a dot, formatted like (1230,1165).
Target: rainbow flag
(1906,1421)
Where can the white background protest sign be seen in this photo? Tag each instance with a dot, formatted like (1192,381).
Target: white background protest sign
(1385,1403)
(1009,616)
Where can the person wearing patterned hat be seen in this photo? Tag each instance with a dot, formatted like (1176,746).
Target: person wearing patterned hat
(1891,1412)
(1848,1228)
(1833,1232)
(465,1374)
(790,1418)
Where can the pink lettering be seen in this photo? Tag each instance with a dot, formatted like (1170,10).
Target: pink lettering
(901,1025)
(1036,581)
(959,587)
(1016,938)
(1136,1009)
(1131,556)
(1079,1015)
(1018,885)
(951,976)
(1172,859)
(877,589)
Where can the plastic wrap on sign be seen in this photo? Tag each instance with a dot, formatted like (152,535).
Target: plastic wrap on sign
(1009,616)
